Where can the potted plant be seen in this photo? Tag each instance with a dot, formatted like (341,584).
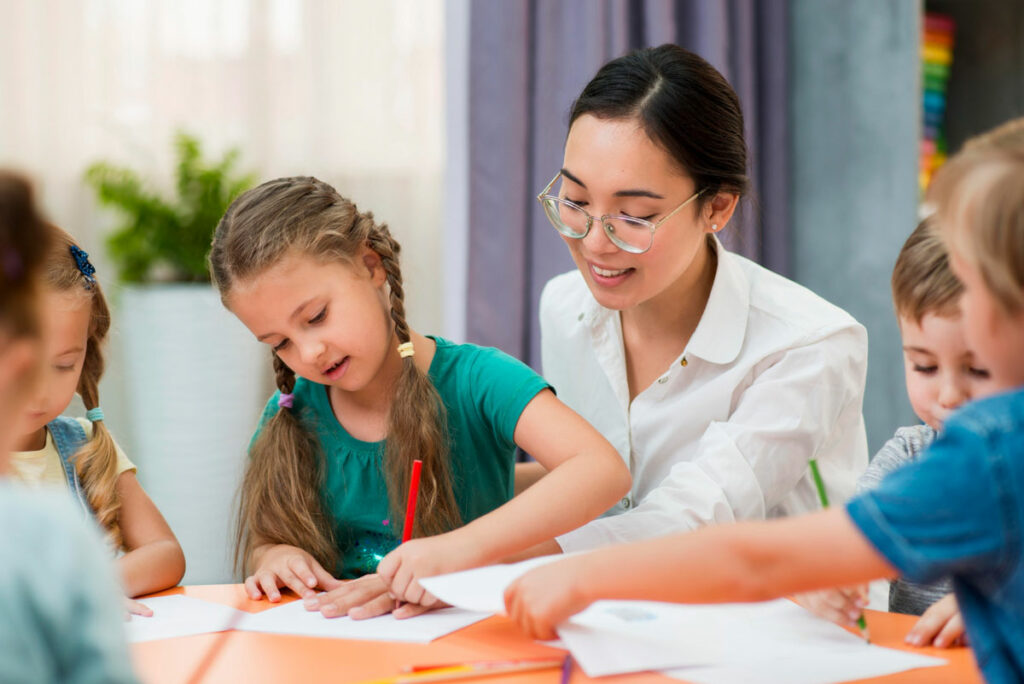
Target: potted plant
(195,378)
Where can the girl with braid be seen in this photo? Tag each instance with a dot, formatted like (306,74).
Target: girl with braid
(360,397)
(80,455)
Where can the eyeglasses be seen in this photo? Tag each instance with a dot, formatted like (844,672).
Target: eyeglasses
(628,233)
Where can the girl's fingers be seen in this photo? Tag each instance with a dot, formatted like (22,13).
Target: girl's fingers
(268,582)
(324,579)
(252,589)
(302,570)
(388,567)
(379,605)
(136,608)
(414,592)
(353,594)
(292,581)
(400,584)
(409,610)
(951,632)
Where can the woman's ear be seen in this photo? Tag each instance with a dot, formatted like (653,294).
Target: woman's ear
(719,210)
(374,266)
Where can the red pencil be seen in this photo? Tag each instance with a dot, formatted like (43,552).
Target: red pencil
(410,506)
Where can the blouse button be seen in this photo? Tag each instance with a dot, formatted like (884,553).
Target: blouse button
(683,362)
(662,380)
(625,502)
(580,317)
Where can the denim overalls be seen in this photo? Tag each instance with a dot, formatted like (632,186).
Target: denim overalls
(69,437)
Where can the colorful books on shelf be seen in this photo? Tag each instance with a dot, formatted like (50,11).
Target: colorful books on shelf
(936,58)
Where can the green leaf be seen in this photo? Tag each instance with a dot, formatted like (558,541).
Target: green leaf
(169,232)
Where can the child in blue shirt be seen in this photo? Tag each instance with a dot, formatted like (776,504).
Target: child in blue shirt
(61,619)
(958,512)
(941,374)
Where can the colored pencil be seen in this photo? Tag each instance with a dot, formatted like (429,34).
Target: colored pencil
(566,669)
(478,663)
(410,507)
(862,624)
(467,671)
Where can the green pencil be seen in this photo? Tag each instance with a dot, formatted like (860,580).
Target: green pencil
(862,624)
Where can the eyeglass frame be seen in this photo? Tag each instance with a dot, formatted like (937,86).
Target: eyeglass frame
(653,226)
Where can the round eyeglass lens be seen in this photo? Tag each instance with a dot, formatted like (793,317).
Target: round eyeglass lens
(630,235)
(566,218)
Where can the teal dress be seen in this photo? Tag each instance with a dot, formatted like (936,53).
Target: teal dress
(484,391)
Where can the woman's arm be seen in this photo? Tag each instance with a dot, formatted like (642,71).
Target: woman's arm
(154,559)
(752,561)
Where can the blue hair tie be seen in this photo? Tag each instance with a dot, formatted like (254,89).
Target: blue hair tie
(83,264)
(94,414)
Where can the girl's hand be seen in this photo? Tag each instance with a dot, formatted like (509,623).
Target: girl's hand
(132,607)
(942,625)
(547,596)
(402,569)
(361,598)
(841,606)
(281,565)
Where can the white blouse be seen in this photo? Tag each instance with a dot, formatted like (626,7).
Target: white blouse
(773,376)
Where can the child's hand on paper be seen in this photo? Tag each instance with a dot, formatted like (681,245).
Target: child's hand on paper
(359,599)
(942,625)
(281,565)
(132,607)
(547,596)
(402,569)
(841,606)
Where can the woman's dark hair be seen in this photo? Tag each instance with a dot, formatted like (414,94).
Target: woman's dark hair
(683,104)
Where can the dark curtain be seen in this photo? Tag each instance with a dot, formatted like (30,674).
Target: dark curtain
(528,60)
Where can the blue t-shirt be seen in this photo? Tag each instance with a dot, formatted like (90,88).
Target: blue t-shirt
(61,613)
(959,512)
(484,392)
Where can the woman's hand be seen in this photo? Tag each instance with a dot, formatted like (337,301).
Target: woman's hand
(942,625)
(402,569)
(841,606)
(359,599)
(546,596)
(281,565)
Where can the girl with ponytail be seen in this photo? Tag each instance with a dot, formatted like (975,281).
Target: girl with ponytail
(80,454)
(360,397)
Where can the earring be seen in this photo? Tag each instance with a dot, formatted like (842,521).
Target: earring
(714,227)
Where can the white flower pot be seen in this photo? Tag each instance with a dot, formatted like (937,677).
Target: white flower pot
(196,381)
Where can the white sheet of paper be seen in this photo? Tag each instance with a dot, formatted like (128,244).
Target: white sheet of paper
(481,589)
(176,616)
(771,642)
(293,618)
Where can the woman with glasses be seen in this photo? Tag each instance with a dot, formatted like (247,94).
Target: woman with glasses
(717,380)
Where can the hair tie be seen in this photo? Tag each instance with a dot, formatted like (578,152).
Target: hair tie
(94,414)
(405,349)
(83,264)
(285,400)
(10,265)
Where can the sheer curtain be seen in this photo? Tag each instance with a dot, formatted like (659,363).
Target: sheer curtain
(351,92)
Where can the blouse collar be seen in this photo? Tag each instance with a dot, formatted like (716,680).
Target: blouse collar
(722,329)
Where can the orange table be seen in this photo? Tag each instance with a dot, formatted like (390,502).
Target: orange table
(254,657)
